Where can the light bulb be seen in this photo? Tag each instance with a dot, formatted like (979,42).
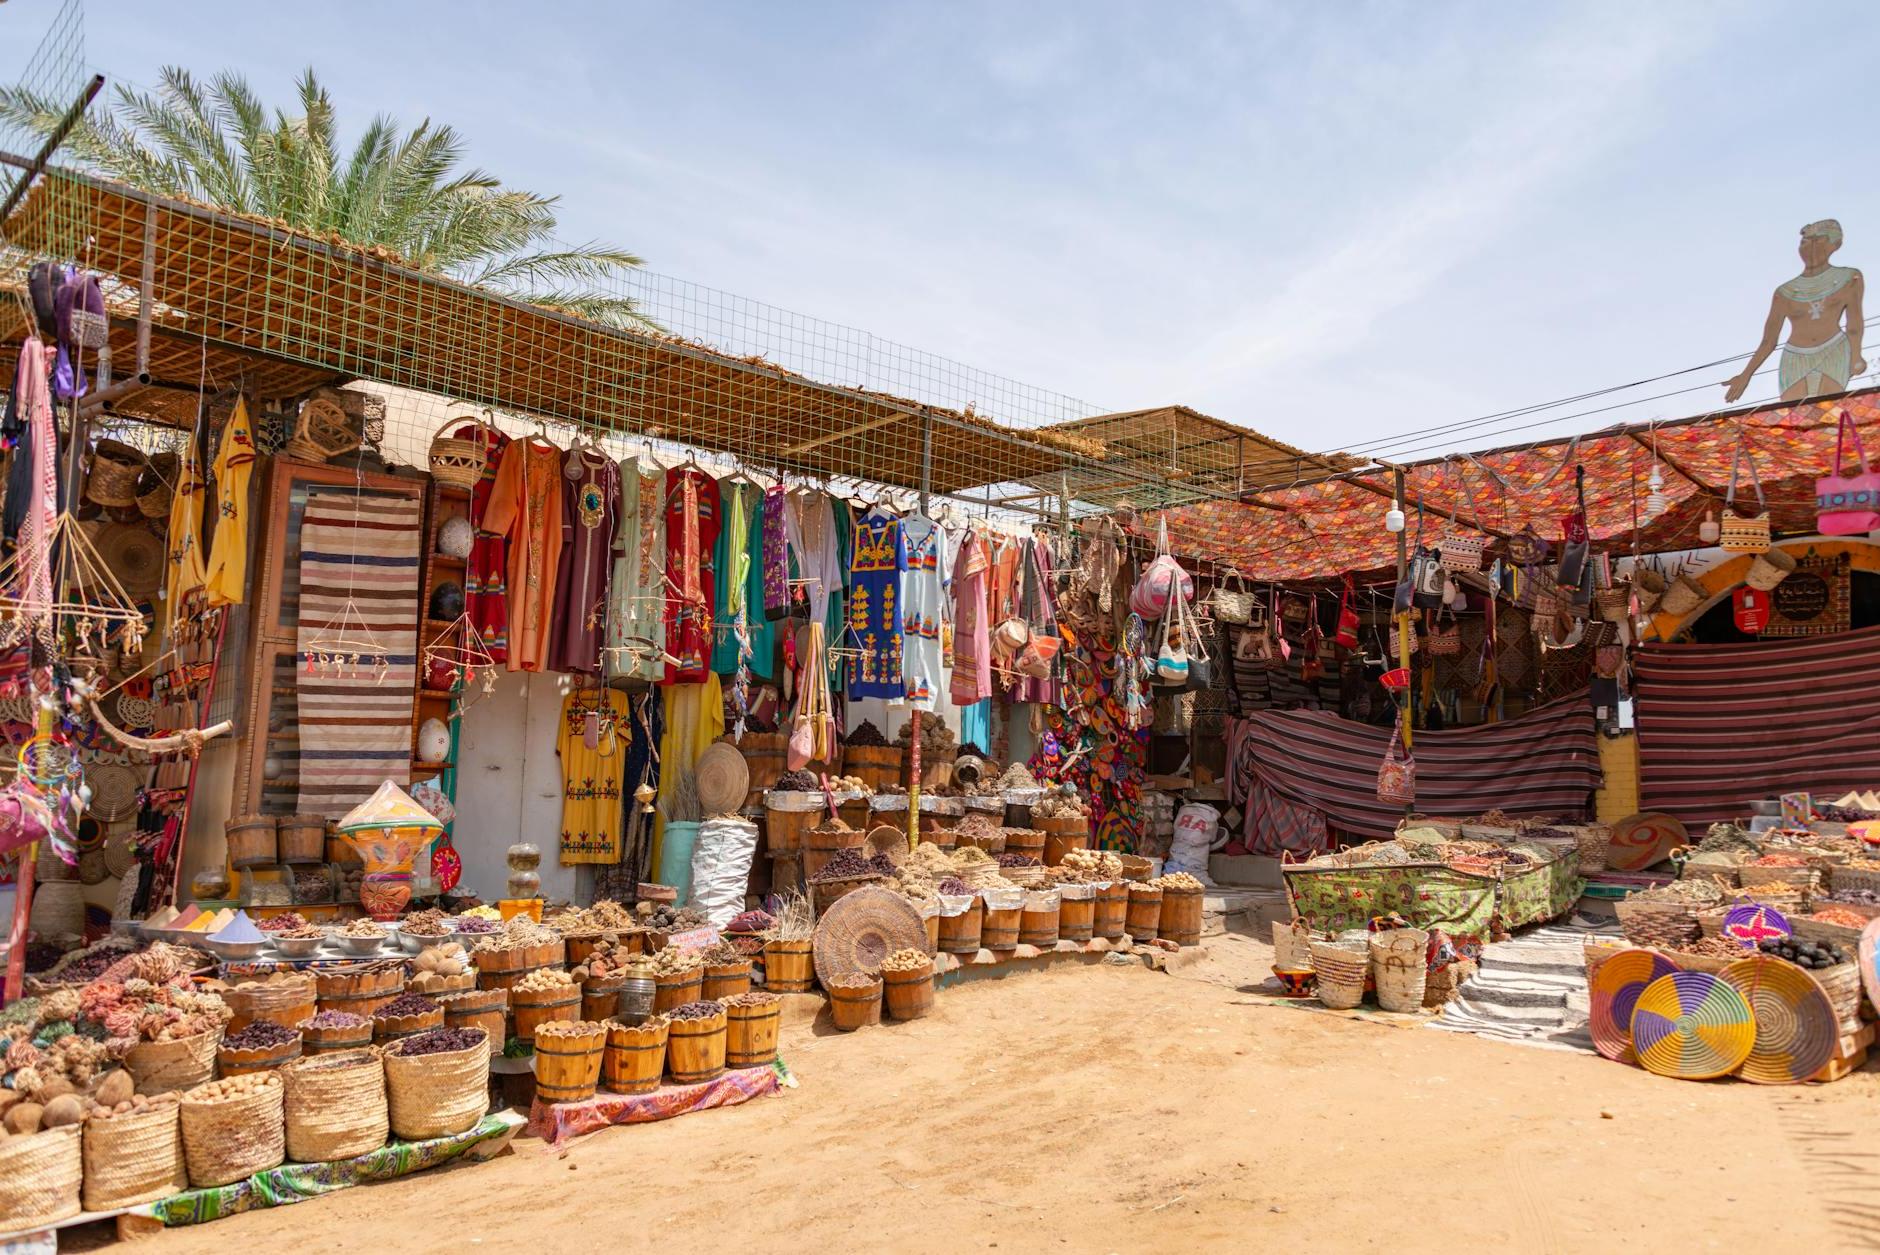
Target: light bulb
(1709,531)
(1393,518)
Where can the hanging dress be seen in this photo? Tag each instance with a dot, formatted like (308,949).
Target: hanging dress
(971,686)
(693,520)
(636,625)
(592,778)
(227,574)
(1037,607)
(738,563)
(485,580)
(590,513)
(774,553)
(32,578)
(924,581)
(183,542)
(874,607)
(525,509)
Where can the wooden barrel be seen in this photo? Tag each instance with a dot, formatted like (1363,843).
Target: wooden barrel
(1058,844)
(1038,922)
(1181,917)
(1074,830)
(1112,911)
(534,1008)
(854,1006)
(362,989)
(695,1049)
(388,1028)
(568,1062)
(301,839)
(930,920)
(821,843)
(1026,841)
(959,934)
(908,995)
(487,1009)
(1077,918)
(635,1057)
(581,945)
(674,989)
(763,755)
(786,871)
(259,1059)
(788,967)
(1000,929)
(501,969)
(1145,912)
(286,1000)
(853,812)
(936,770)
(879,765)
(725,980)
(325,1041)
(751,1033)
(788,817)
(251,840)
(600,997)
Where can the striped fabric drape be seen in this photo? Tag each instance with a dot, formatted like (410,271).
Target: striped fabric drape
(1720,726)
(1544,763)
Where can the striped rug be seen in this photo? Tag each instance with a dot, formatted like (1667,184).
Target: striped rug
(355,728)
(1720,726)
(1531,989)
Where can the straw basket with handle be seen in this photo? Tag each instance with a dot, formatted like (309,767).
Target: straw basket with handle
(1342,970)
(1292,946)
(115,468)
(1769,568)
(1683,595)
(457,461)
(156,488)
(1398,960)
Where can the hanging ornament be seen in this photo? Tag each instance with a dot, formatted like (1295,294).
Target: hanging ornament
(1655,503)
(1710,531)
(1393,518)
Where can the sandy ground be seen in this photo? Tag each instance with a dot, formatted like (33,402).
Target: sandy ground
(1114,1109)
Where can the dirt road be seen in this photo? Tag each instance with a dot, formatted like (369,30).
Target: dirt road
(1112,1109)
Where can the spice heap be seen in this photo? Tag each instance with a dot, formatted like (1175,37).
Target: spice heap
(978,824)
(751,922)
(285,922)
(327,1021)
(1095,864)
(696,1010)
(953,887)
(313,884)
(752,1000)
(403,1005)
(1017,776)
(476,924)
(1019,860)
(428,924)
(865,734)
(1682,892)
(567,1028)
(363,928)
(882,865)
(481,912)
(1059,806)
(439,1041)
(259,1035)
(233,1087)
(307,932)
(852,980)
(674,961)
(1777,889)
(1780,860)
(543,980)
(444,960)
(905,961)
(1839,915)
(798,781)
(844,865)
(1814,955)
(1177,882)
(1712,947)
(1727,839)
(1855,897)
(605,916)
(722,952)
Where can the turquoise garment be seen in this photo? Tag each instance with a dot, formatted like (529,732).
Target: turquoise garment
(976,725)
(736,557)
(837,617)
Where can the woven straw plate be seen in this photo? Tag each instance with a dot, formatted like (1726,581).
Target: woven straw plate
(113,791)
(723,778)
(1867,958)
(1796,1028)
(1644,839)
(1614,991)
(1692,1025)
(862,928)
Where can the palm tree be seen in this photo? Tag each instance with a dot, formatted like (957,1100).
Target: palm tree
(215,143)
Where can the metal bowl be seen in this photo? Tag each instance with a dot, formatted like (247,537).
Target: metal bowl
(364,947)
(299,947)
(232,949)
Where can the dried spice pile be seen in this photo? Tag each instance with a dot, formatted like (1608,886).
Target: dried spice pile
(334,1020)
(866,734)
(702,1010)
(259,1035)
(363,928)
(798,781)
(844,865)
(1019,860)
(605,916)
(954,887)
(439,1041)
(752,922)
(669,918)
(403,1005)
(568,1028)
(475,924)
(285,922)
(1839,915)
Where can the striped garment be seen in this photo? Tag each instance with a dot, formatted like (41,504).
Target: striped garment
(1720,726)
(1544,763)
(355,727)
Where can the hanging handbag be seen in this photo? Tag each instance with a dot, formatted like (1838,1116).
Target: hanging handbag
(1739,533)
(1847,505)
(1200,663)
(1575,542)
(1346,635)
(1397,774)
(1526,547)
(1162,581)
(1294,609)
(1311,655)
(1445,638)
(1463,551)
(1012,634)
(1233,604)
(1035,659)
(1426,569)
(1171,660)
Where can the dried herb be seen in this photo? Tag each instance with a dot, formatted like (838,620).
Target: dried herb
(406,1004)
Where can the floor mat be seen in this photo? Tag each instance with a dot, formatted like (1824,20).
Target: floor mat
(1531,989)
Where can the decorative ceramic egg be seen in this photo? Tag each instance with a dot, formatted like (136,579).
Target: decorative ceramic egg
(455,537)
(271,768)
(433,741)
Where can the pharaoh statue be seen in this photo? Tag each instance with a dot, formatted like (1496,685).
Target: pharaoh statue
(1822,307)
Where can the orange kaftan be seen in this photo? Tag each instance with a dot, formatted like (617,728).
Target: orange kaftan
(525,507)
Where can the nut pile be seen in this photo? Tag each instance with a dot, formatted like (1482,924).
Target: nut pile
(306,932)
(853,980)
(439,1041)
(753,1000)
(1097,864)
(363,928)
(136,1104)
(720,953)
(259,1035)
(567,1028)
(605,916)
(543,980)
(905,961)
(1178,882)
(702,1010)
(1059,806)
(674,961)
(233,1087)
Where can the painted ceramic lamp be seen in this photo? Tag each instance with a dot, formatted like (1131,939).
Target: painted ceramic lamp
(389,830)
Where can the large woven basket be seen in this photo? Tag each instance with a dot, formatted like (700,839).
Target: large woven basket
(437,1095)
(1399,964)
(335,1105)
(134,1158)
(1683,596)
(115,467)
(1342,971)
(1769,568)
(157,488)
(39,1178)
(1292,946)
(1657,923)
(159,1067)
(1823,930)
(457,461)
(863,928)
(1842,985)
(1855,878)
(231,1139)
(1808,879)
(1591,840)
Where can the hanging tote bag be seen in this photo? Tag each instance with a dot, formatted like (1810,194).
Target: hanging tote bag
(1463,551)
(1397,774)
(1346,634)
(1200,663)
(1232,600)
(1744,533)
(1445,638)
(1575,541)
(1847,505)
(1171,660)
(1162,581)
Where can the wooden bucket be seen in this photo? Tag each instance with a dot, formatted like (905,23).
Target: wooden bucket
(854,1007)
(600,997)
(879,765)
(764,757)
(788,817)
(260,1059)
(908,995)
(581,945)
(725,980)
(534,1008)
(1000,929)
(301,839)
(676,989)
(1038,923)
(1077,918)
(1145,912)
(751,1034)
(1112,910)
(959,934)
(788,967)
(695,1049)
(487,1009)
(389,1028)
(936,770)
(635,1057)
(360,990)
(1181,917)
(568,1064)
(853,812)
(284,1000)
(821,843)
(251,840)
(502,969)
(930,920)
(325,1041)
(1063,833)
(1026,841)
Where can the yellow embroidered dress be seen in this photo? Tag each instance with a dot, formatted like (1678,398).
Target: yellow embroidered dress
(227,576)
(591,777)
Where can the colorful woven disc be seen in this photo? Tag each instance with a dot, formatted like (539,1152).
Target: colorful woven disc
(1615,989)
(1796,1028)
(1692,1025)
(1867,954)
(1646,838)
(1751,924)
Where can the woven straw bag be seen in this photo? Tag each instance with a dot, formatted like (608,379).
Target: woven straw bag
(1292,946)
(1657,923)
(134,1158)
(335,1105)
(437,1095)
(458,461)
(1233,604)
(115,469)
(1741,533)
(39,1178)
(1399,963)
(1342,971)
(159,1067)
(155,490)
(1683,596)
(229,1139)
(1769,568)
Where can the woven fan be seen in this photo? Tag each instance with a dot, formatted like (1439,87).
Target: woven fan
(113,791)
(863,927)
(1796,1027)
(1692,1025)
(1614,991)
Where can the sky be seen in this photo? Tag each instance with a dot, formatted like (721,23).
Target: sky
(1343,225)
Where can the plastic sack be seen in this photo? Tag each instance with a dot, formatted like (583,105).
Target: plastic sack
(721,867)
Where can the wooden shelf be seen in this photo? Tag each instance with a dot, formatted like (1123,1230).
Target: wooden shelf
(444,559)
(437,695)
(418,766)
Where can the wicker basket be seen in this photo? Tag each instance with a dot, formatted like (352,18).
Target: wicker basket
(1342,971)
(1614,604)
(1769,568)
(1842,985)
(437,1095)
(1855,878)
(1292,946)
(39,1178)
(159,1067)
(233,1138)
(1808,879)
(115,468)
(157,487)
(457,461)
(1683,596)
(1657,923)
(1592,840)
(134,1158)
(1400,964)
(335,1106)
(1823,930)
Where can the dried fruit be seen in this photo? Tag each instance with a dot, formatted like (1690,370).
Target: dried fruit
(439,1041)
(22,1118)
(259,1035)
(702,1010)
(117,1087)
